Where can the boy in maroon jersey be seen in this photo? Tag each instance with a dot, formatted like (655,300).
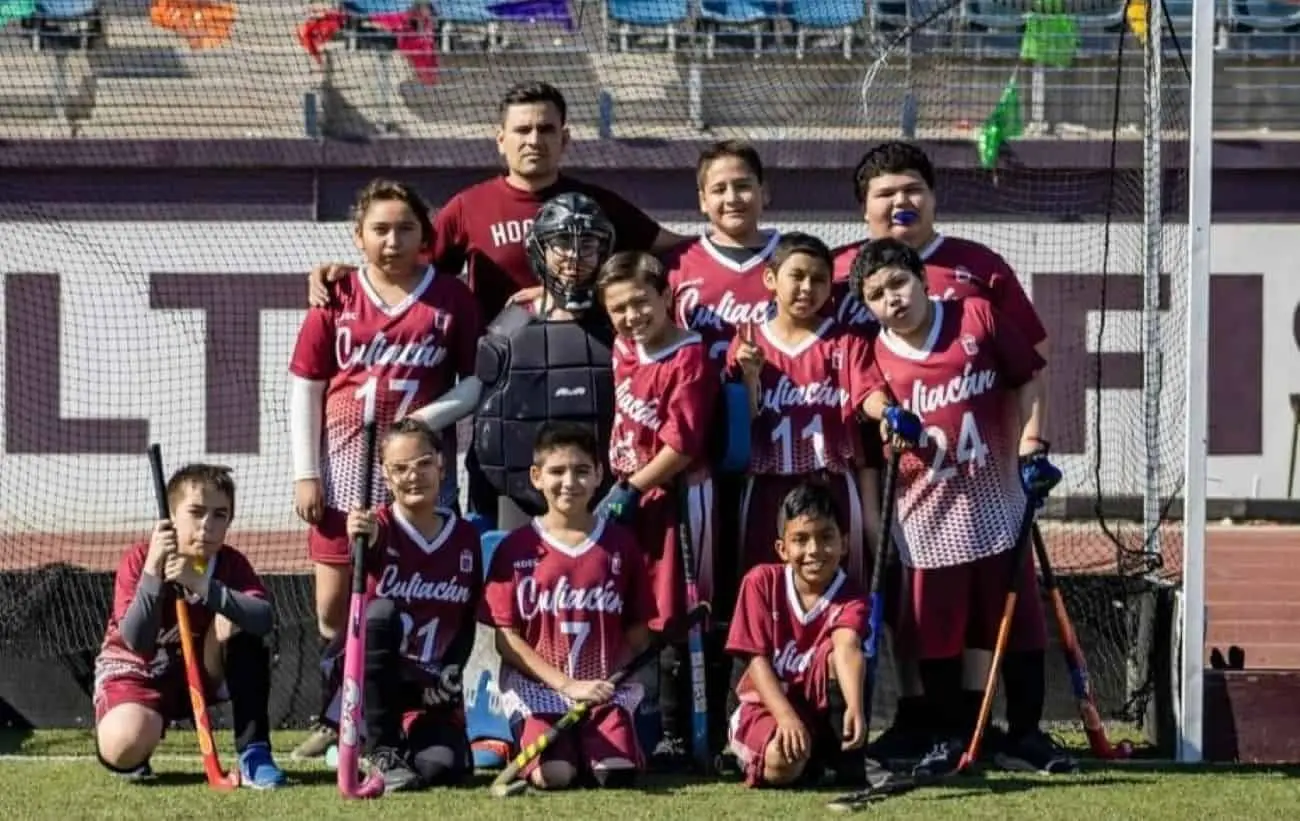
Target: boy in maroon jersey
(665,388)
(397,337)
(800,368)
(798,632)
(570,602)
(959,383)
(424,569)
(717,279)
(140,672)
(894,184)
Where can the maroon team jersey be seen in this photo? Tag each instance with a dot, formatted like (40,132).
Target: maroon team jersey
(435,584)
(482,230)
(807,418)
(661,399)
(954,269)
(770,621)
(573,605)
(959,493)
(714,294)
(382,361)
(116,660)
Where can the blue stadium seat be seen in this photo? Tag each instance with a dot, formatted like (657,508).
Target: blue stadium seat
(1265,15)
(368,7)
(66,9)
(728,16)
(825,15)
(473,12)
(623,16)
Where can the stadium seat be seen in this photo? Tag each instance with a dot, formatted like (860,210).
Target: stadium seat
(65,25)
(729,16)
(825,15)
(628,15)
(466,15)
(1265,15)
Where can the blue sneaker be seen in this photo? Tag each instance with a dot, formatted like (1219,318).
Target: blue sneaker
(258,770)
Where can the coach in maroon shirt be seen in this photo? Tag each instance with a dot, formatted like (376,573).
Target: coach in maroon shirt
(482,229)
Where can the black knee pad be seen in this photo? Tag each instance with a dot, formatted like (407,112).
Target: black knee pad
(435,773)
(380,611)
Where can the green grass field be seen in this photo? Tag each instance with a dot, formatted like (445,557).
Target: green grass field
(52,774)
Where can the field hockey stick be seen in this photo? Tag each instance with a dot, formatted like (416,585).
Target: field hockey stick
(1076,664)
(217,778)
(1018,554)
(354,651)
(876,597)
(506,784)
(694,645)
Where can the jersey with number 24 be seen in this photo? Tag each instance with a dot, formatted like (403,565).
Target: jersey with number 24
(959,493)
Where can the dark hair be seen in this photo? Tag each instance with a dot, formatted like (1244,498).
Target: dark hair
(894,157)
(631,266)
(216,477)
(737,149)
(797,242)
(555,435)
(811,499)
(534,91)
(382,190)
(883,253)
(410,426)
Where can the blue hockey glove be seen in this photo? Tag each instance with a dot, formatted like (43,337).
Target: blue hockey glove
(620,503)
(903,423)
(1038,476)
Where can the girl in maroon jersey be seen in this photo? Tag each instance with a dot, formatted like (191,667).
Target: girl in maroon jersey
(798,631)
(424,570)
(568,598)
(801,368)
(394,342)
(665,390)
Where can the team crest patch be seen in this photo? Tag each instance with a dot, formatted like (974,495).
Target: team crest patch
(969,345)
(837,359)
(961,274)
(442,321)
(466,561)
(615,564)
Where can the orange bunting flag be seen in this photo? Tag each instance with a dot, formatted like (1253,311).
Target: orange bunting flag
(203,23)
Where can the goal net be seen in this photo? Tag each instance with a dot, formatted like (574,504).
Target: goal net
(159,303)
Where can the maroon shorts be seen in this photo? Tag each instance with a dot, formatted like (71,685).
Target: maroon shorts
(944,610)
(327,540)
(761,505)
(664,518)
(607,732)
(169,697)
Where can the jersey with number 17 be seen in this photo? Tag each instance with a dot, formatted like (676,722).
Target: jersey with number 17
(959,493)
(381,362)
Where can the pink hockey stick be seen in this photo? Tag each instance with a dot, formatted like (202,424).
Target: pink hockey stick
(354,653)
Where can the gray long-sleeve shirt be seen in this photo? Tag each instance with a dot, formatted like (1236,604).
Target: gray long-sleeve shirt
(140,623)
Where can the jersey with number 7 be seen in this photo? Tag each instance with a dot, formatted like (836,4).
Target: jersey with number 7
(381,362)
(959,493)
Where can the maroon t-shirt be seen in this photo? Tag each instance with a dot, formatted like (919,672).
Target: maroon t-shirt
(484,227)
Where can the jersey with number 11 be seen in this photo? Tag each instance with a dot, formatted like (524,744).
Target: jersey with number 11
(381,362)
(806,414)
(959,494)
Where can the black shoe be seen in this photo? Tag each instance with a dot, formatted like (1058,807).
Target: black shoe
(393,766)
(1036,752)
(139,775)
(670,756)
(942,758)
(900,745)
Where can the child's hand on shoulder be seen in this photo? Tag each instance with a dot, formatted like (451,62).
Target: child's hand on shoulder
(361,523)
(162,544)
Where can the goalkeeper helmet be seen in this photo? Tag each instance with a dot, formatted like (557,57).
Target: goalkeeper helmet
(569,240)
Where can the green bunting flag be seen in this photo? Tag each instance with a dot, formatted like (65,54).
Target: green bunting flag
(1003,124)
(11,10)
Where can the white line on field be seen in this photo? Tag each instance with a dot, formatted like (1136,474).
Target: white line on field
(58,759)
